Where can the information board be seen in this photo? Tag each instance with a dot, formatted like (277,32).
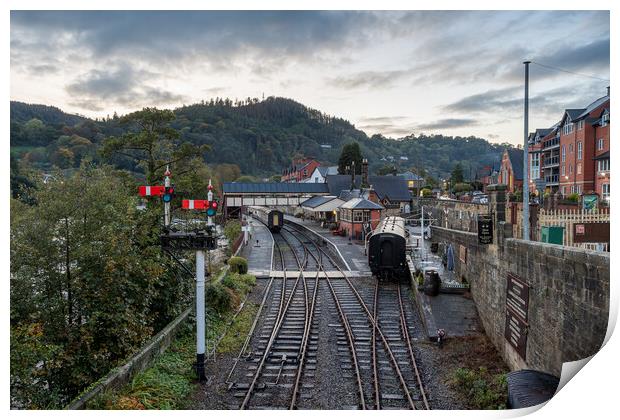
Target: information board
(485,230)
(517,304)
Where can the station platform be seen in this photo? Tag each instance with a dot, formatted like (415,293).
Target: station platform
(453,310)
(259,254)
(352,253)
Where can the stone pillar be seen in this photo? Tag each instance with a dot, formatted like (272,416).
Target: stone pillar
(497,206)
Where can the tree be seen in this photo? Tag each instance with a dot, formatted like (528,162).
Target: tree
(88,284)
(350,153)
(154,145)
(457,174)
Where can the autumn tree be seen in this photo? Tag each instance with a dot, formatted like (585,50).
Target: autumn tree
(152,143)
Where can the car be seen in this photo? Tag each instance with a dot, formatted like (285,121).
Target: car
(477,193)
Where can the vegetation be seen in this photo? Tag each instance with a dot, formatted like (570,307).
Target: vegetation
(457,174)
(573,197)
(427,192)
(269,133)
(462,187)
(482,390)
(351,153)
(238,265)
(232,230)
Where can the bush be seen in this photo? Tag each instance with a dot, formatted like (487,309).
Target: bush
(482,389)
(238,265)
(573,197)
(239,282)
(232,230)
(462,187)
(218,298)
(426,192)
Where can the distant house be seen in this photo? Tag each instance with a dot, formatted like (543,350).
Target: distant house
(414,182)
(511,170)
(320,172)
(300,170)
(404,158)
(388,190)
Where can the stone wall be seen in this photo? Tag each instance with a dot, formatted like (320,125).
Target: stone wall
(452,214)
(568,295)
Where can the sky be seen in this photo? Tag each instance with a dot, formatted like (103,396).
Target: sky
(394,73)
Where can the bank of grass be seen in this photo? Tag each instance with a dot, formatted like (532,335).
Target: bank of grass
(169,382)
(481,389)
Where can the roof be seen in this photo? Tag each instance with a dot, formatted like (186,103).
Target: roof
(346,195)
(574,113)
(330,205)
(274,187)
(410,176)
(593,106)
(361,204)
(390,186)
(516,160)
(602,156)
(316,201)
(393,187)
(327,170)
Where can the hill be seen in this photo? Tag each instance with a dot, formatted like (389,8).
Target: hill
(261,137)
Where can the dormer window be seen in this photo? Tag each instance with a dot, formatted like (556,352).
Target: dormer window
(568,128)
(605,119)
(580,125)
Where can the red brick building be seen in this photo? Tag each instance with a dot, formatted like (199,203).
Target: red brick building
(511,170)
(573,155)
(300,170)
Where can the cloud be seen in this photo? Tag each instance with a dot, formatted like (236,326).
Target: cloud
(122,85)
(369,79)
(494,100)
(448,123)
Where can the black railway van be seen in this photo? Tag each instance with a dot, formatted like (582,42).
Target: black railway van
(275,220)
(387,249)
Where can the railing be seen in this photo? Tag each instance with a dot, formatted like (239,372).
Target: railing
(552,179)
(551,143)
(551,161)
(567,218)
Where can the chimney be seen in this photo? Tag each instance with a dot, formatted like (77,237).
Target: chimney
(364,172)
(607,90)
(352,175)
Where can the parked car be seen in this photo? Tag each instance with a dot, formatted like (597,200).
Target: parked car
(480,199)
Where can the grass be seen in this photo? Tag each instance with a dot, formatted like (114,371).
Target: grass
(481,389)
(169,382)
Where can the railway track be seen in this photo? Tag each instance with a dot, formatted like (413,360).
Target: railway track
(373,337)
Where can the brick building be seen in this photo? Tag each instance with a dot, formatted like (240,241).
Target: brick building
(511,170)
(300,170)
(573,155)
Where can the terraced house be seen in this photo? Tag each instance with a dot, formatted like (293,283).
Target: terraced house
(572,156)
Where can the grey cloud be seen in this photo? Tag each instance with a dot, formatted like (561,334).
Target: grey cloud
(42,69)
(381,119)
(369,79)
(449,123)
(489,101)
(120,85)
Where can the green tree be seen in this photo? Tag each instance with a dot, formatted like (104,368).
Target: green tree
(386,170)
(350,153)
(457,174)
(152,143)
(88,276)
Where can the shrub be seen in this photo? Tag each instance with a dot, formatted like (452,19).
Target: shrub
(573,197)
(426,192)
(238,265)
(462,187)
(217,298)
(239,282)
(482,389)
(232,230)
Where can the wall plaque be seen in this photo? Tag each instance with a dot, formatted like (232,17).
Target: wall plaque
(485,230)
(517,304)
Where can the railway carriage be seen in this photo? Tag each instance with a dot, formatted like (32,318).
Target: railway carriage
(387,249)
(274,219)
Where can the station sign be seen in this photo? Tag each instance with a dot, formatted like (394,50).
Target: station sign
(485,230)
(517,305)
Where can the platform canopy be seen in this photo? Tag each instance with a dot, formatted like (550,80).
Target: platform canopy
(322,204)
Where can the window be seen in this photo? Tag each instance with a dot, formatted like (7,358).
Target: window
(563,170)
(605,191)
(563,190)
(603,165)
(570,169)
(568,128)
(563,152)
(316,179)
(366,217)
(357,215)
(579,168)
(580,125)
(605,120)
(535,166)
(579,150)
(600,145)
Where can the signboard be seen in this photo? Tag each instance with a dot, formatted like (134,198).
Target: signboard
(590,201)
(463,254)
(517,304)
(591,232)
(485,230)
(540,183)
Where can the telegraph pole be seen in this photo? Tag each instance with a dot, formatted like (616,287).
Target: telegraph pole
(526,175)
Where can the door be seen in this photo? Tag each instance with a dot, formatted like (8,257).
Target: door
(387,252)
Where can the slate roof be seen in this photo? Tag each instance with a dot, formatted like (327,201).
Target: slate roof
(346,195)
(602,156)
(516,160)
(274,187)
(361,204)
(317,201)
(574,113)
(593,106)
(392,187)
(327,170)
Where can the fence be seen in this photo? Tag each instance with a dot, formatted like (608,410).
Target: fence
(568,218)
